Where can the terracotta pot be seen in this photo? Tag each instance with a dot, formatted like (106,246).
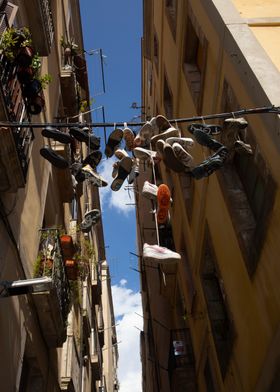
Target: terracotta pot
(36,105)
(68,248)
(71,268)
(25,56)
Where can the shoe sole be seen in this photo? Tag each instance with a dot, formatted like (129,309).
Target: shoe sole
(93,159)
(171,160)
(165,135)
(113,141)
(182,155)
(63,138)
(124,169)
(90,219)
(129,140)
(163,200)
(56,160)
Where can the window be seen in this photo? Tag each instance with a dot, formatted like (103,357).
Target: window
(194,61)
(221,324)
(171,12)
(249,191)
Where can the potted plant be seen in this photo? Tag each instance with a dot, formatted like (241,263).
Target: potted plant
(16,45)
(70,48)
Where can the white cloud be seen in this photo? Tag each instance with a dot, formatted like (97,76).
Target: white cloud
(126,304)
(118,200)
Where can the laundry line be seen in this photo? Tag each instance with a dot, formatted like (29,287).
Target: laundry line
(237,113)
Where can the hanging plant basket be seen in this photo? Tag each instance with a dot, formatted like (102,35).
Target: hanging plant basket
(36,105)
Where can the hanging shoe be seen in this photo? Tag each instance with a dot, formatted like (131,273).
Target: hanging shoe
(161,123)
(135,171)
(124,168)
(171,160)
(163,203)
(170,132)
(113,142)
(115,169)
(232,128)
(83,135)
(55,159)
(186,142)
(160,148)
(87,173)
(93,159)
(182,155)
(207,167)
(205,139)
(143,154)
(146,132)
(120,154)
(210,129)
(243,148)
(160,254)
(90,219)
(55,134)
(128,137)
(150,190)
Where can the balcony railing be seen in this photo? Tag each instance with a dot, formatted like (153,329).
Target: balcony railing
(41,26)
(52,306)
(14,142)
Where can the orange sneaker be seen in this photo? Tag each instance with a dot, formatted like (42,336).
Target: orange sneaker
(163,199)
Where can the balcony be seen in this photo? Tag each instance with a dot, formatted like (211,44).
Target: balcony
(15,142)
(87,308)
(41,25)
(95,283)
(69,91)
(52,305)
(95,355)
(181,362)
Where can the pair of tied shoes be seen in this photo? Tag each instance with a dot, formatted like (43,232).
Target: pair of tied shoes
(174,153)
(121,171)
(90,219)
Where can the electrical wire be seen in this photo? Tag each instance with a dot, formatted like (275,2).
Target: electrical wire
(242,112)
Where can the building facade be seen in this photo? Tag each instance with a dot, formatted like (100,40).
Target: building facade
(211,322)
(53,326)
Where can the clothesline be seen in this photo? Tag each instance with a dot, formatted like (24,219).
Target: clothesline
(237,113)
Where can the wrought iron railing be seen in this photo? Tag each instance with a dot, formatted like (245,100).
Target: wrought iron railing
(13,104)
(50,263)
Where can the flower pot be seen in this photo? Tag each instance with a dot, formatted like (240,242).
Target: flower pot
(32,88)
(24,56)
(67,246)
(71,268)
(35,105)
(25,74)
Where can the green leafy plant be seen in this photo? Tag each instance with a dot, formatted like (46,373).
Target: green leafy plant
(45,80)
(12,39)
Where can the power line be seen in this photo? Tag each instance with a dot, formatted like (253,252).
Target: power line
(242,112)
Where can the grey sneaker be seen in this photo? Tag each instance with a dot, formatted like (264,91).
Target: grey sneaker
(207,167)
(171,160)
(243,148)
(232,128)
(186,142)
(170,132)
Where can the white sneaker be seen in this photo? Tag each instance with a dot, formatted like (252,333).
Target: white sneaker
(170,132)
(93,177)
(182,154)
(146,132)
(150,190)
(143,154)
(160,254)
(119,153)
(186,142)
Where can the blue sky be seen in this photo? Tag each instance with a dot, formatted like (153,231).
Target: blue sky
(116,28)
